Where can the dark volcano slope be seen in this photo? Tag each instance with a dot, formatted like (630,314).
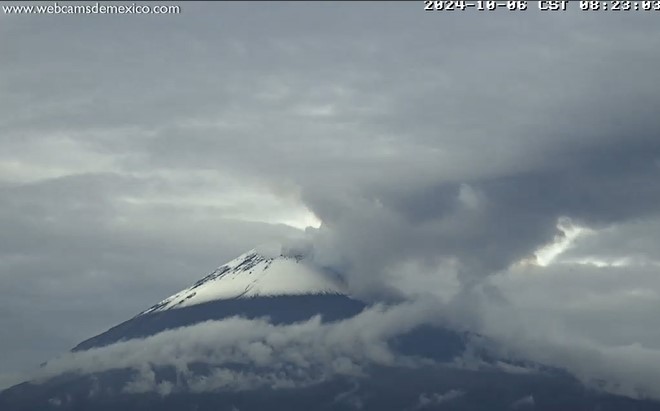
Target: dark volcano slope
(284,309)
(384,389)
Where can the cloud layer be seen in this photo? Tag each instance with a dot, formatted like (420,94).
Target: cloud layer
(248,354)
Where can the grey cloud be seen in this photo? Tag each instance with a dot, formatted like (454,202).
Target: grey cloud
(513,216)
(631,242)
(350,397)
(597,323)
(58,402)
(609,305)
(433,399)
(523,403)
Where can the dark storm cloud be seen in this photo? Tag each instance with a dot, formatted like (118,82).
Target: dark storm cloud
(493,222)
(139,151)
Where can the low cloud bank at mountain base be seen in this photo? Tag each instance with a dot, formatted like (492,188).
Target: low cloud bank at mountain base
(288,356)
(247,354)
(308,347)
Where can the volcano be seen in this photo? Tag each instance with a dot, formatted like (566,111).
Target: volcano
(271,330)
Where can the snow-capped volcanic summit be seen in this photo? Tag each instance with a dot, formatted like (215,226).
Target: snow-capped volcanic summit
(263,272)
(264,282)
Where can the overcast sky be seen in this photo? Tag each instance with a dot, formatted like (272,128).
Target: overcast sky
(436,151)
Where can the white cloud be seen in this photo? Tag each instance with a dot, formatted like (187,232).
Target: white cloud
(569,233)
(316,351)
(434,399)
(523,403)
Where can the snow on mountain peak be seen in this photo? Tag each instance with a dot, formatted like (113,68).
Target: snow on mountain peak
(264,271)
